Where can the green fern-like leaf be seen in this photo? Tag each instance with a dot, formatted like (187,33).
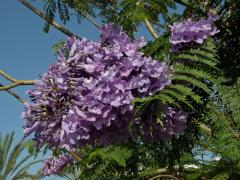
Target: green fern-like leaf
(186,91)
(117,154)
(192,69)
(194,82)
(51,7)
(178,96)
(180,68)
(196,59)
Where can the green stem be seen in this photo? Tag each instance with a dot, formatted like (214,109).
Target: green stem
(163,176)
(7,76)
(15,95)
(150,28)
(90,19)
(205,128)
(182,2)
(17,83)
(75,156)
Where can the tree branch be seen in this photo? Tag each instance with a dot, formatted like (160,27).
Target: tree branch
(7,76)
(15,82)
(150,28)
(14,95)
(90,19)
(209,131)
(162,176)
(162,170)
(75,156)
(205,128)
(182,2)
(46,18)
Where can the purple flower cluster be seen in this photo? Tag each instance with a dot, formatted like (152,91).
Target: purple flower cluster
(186,33)
(85,97)
(54,165)
(173,123)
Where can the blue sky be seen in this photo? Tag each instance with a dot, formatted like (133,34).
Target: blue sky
(26,52)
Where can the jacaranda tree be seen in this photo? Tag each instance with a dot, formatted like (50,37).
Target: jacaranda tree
(125,108)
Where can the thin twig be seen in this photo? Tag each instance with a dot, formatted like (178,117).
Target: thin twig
(75,156)
(46,18)
(162,175)
(209,131)
(7,76)
(17,83)
(150,28)
(90,19)
(161,170)
(14,84)
(15,95)
(182,2)
(205,128)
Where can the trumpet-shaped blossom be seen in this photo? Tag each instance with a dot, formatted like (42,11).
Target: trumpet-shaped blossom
(54,165)
(172,123)
(189,32)
(86,96)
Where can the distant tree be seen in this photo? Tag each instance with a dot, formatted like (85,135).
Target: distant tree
(13,165)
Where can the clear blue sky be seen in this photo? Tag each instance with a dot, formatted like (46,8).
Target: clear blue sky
(26,52)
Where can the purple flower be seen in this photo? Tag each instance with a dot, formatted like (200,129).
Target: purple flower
(173,123)
(54,165)
(188,32)
(85,97)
